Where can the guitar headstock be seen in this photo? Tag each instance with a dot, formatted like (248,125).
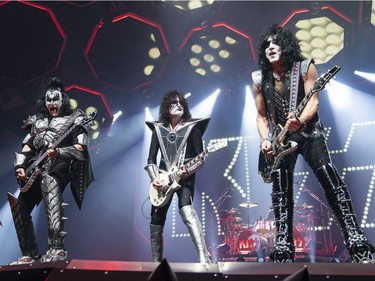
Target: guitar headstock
(88,118)
(217,145)
(324,79)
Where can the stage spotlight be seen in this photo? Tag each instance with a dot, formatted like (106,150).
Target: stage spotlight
(323,32)
(249,114)
(218,51)
(204,108)
(368,76)
(187,95)
(149,113)
(116,116)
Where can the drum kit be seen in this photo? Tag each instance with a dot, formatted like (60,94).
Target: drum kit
(252,239)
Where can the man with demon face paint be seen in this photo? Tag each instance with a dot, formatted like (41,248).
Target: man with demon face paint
(68,162)
(282,82)
(179,139)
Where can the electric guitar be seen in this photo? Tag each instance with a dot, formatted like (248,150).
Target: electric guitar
(38,164)
(171,178)
(282,147)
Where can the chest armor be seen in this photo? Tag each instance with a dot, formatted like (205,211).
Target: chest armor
(172,141)
(45,131)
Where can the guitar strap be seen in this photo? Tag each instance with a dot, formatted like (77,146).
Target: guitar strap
(294,84)
(182,156)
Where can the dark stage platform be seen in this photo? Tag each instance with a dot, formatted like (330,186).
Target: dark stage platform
(85,270)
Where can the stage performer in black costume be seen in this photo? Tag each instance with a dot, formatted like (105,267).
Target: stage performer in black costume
(179,139)
(284,78)
(68,162)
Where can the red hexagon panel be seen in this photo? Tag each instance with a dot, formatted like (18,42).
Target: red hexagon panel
(87,100)
(217,51)
(119,51)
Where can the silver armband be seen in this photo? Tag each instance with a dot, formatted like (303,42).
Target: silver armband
(26,139)
(152,170)
(70,152)
(83,139)
(19,159)
(195,167)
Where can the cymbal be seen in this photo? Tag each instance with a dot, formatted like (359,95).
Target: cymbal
(248,204)
(304,207)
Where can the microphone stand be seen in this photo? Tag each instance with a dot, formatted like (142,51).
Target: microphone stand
(313,195)
(217,204)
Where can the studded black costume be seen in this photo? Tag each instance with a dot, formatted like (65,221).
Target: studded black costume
(278,104)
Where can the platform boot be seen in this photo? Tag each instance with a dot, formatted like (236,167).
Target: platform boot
(25,233)
(283,206)
(156,239)
(191,220)
(54,208)
(339,199)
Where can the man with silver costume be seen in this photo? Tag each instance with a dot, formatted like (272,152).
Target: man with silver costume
(67,162)
(179,139)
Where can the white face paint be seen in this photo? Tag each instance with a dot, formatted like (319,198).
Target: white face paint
(53,100)
(273,51)
(176,108)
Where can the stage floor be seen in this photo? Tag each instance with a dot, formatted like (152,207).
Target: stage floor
(97,270)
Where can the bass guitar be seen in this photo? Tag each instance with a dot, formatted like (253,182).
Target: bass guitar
(280,145)
(171,178)
(38,164)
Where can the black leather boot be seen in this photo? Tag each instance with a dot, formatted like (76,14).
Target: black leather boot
(339,199)
(283,206)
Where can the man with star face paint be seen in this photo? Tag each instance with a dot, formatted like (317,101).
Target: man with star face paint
(284,78)
(179,139)
(68,162)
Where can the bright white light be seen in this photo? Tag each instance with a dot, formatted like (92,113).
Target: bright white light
(368,76)
(148,115)
(204,108)
(339,94)
(187,95)
(249,114)
(116,116)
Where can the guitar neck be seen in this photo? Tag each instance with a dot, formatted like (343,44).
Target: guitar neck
(54,145)
(196,158)
(302,105)
(318,85)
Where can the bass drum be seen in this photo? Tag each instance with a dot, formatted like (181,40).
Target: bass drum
(247,242)
(299,241)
